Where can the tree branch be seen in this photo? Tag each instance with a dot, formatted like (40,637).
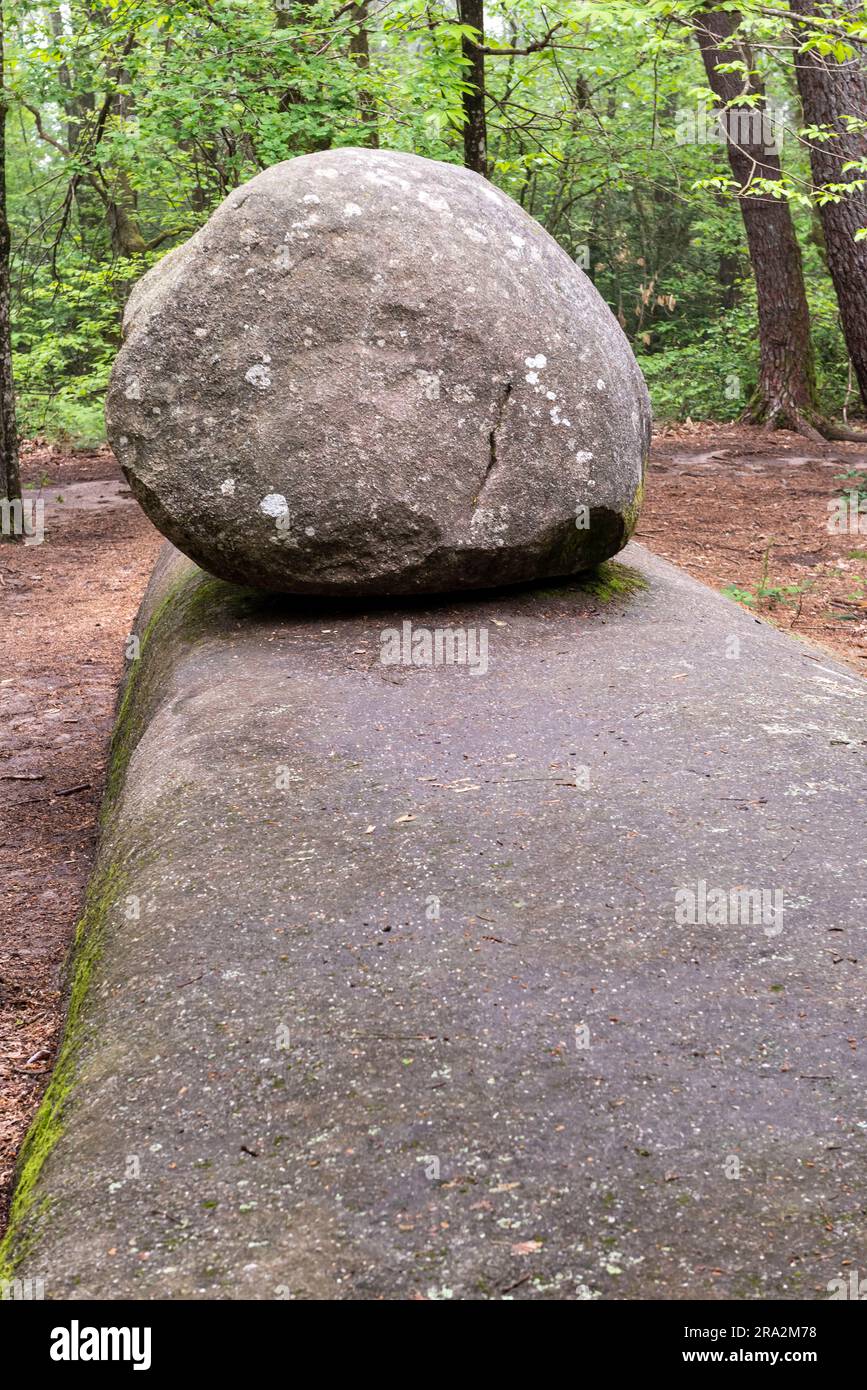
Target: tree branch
(43,133)
(533,47)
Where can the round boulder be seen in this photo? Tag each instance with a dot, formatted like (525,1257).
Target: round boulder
(374,373)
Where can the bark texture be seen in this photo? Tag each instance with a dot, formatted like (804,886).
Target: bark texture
(359,47)
(830,90)
(472,12)
(786,392)
(10,477)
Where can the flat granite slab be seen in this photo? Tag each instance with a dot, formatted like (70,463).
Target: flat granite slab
(400,981)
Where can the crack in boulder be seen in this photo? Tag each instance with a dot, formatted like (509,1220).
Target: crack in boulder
(492,441)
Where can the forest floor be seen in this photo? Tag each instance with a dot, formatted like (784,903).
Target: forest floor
(732,506)
(740,509)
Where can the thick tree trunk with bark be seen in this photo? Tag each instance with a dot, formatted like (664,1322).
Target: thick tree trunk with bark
(359,47)
(10,477)
(786,393)
(121,215)
(830,90)
(290,13)
(472,12)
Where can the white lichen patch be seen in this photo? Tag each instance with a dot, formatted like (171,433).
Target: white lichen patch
(326,171)
(462,394)
(311,198)
(352,210)
(474,233)
(301,229)
(274,504)
(434,201)
(488,525)
(385,180)
(228,487)
(258,376)
(201,332)
(429,383)
(133,390)
(600,385)
(538,362)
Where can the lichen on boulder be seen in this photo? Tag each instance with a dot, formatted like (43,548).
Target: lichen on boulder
(374,373)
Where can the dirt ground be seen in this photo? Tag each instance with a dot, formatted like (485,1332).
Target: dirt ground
(731,505)
(68,605)
(743,510)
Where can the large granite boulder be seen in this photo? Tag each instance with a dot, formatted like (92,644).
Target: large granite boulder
(374,373)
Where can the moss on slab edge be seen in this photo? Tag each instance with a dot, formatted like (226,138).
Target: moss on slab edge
(192,598)
(633,511)
(203,598)
(47,1127)
(612,580)
(104,891)
(607,582)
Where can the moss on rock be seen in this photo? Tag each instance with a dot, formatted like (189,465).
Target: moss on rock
(47,1127)
(609,581)
(632,512)
(613,580)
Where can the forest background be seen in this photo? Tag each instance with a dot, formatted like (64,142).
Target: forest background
(706,165)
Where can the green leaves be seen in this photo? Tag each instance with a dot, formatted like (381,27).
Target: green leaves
(170,104)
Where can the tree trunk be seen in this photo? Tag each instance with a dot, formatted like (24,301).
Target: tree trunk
(472,12)
(121,215)
(289,14)
(359,47)
(829,91)
(10,477)
(786,392)
(727,277)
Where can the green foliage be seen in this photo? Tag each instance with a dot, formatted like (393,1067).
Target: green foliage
(767,594)
(710,375)
(853,480)
(64,340)
(130,122)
